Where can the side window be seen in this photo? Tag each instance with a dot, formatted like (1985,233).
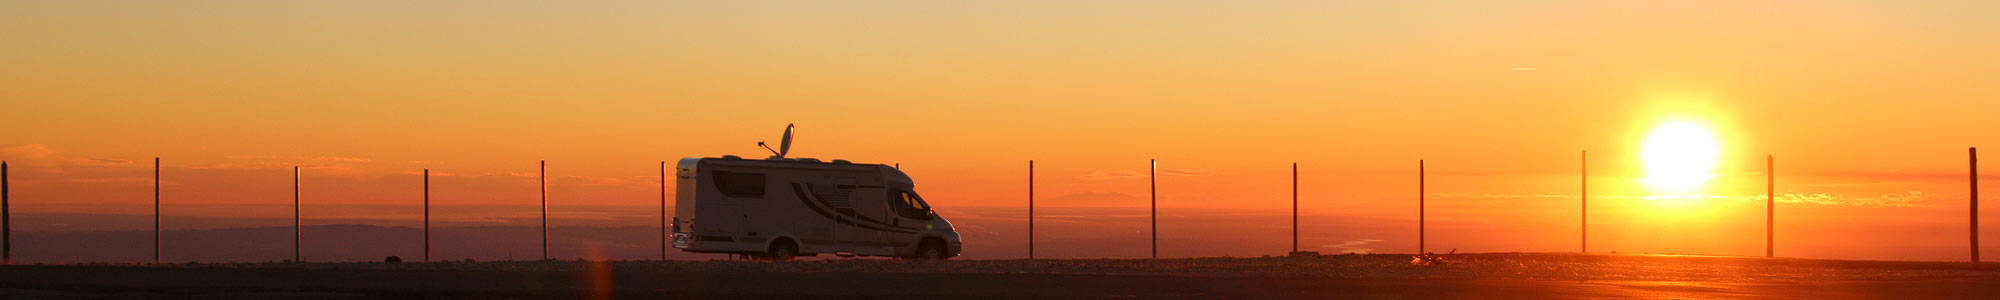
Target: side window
(908,205)
(739,184)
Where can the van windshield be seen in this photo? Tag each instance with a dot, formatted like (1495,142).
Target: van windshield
(918,202)
(908,205)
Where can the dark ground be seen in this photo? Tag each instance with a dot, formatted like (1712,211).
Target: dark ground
(1370,276)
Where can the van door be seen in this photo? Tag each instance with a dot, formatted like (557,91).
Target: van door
(866,208)
(908,215)
(729,216)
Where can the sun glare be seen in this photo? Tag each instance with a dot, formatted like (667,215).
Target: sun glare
(1679,156)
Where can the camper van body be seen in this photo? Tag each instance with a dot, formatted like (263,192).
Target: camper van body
(760,207)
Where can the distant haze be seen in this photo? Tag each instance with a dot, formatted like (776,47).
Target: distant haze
(989,233)
(1868,107)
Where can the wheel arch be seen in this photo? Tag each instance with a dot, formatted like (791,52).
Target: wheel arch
(797,244)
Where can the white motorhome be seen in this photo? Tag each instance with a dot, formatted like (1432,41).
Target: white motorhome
(778,207)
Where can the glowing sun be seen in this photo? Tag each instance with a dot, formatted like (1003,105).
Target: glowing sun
(1679,156)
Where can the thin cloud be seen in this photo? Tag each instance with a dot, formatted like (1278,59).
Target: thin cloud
(238,166)
(336,159)
(110,162)
(25,151)
(1186,173)
(343,159)
(1887,174)
(1904,199)
(577,180)
(333,169)
(1504,196)
(1113,174)
(421,173)
(1093,197)
(557,180)
(1125,174)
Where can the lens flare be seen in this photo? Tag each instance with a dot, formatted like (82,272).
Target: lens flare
(1679,156)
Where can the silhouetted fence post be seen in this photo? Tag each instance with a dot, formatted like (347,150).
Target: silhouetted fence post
(1972,161)
(1420,206)
(544,183)
(664,235)
(156,210)
(1031,209)
(298,238)
(1770,206)
(1153,188)
(1583,203)
(427,215)
(6,219)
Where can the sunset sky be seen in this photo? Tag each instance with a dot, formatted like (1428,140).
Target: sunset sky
(1868,107)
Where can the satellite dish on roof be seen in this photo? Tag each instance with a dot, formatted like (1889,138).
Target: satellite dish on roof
(784,146)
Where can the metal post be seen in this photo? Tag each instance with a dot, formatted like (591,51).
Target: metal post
(156,210)
(298,239)
(664,235)
(6,220)
(545,209)
(1153,187)
(1420,206)
(427,215)
(663,211)
(1031,209)
(1770,206)
(1295,207)
(1973,164)
(1583,203)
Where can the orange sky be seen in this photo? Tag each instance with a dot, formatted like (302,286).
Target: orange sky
(1869,104)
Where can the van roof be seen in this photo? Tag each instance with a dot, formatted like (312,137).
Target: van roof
(890,175)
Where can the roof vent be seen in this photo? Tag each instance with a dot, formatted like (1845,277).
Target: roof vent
(842,161)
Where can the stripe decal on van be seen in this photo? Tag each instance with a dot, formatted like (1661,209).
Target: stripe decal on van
(805,198)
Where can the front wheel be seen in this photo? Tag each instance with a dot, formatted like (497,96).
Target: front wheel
(930,251)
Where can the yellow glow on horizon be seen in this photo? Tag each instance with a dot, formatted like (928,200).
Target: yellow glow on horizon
(1676,201)
(1679,156)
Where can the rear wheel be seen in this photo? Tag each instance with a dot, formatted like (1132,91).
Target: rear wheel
(783,251)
